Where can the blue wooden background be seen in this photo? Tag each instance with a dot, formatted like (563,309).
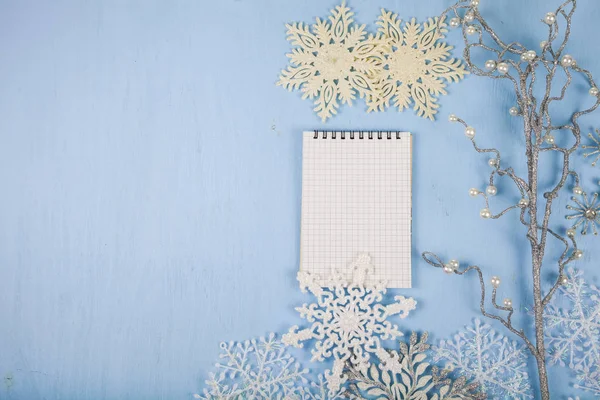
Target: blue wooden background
(150,175)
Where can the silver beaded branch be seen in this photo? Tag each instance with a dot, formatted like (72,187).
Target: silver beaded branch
(520,66)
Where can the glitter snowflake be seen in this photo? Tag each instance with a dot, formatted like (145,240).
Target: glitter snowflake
(489,358)
(262,370)
(587,213)
(348,320)
(417,67)
(573,331)
(412,377)
(595,148)
(334,60)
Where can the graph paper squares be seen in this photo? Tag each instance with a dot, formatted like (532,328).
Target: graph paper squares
(357,198)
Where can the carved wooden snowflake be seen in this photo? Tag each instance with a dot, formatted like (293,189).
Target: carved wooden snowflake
(348,320)
(594,149)
(417,67)
(333,60)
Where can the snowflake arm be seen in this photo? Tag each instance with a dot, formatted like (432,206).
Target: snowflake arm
(489,358)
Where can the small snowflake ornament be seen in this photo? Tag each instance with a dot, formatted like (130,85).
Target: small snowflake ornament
(587,213)
(417,67)
(489,358)
(594,148)
(334,60)
(348,320)
(573,330)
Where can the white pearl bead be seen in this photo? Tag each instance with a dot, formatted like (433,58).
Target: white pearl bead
(485,213)
(471,30)
(524,57)
(514,111)
(578,190)
(571,232)
(531,55)
(452,118)
(543,44)
(594,91)
(567,61)
(508,303)
(490,65)
(451,266)
(470,132)
(493,162)
(474,192)
(549,139)
(550,18)
(503,68)
(455,22)
(578,254)
(524,202)
(495,281)
(469,17)
(491,190)
(563,280)
(475,3)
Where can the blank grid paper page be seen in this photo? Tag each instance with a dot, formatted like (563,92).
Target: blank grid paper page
(356,198)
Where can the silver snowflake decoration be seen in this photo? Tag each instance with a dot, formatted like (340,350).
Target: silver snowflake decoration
(594,149)
(573,330)
(490,359)
(348,321)
(411,377)
(587,213)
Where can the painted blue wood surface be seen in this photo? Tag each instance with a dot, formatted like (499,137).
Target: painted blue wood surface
(150,174)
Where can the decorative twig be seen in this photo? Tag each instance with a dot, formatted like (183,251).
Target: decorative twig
(524,74)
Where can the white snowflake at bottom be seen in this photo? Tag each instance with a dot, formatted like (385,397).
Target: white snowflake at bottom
(348,320)
(489,358)
(263,370)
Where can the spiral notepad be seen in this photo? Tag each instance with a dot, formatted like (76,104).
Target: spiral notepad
(356,198)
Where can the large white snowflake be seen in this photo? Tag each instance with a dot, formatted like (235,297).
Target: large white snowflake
(262,370)
(417,67)
(489,358)
(348,319)
(334,60)
(573,330)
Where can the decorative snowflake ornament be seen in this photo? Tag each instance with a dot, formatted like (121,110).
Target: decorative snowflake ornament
(254,369)
(587,213)
(263,370)
(489,358)
(595,148)
(418,65)
(573,332)
(413,379)
(348,320)
(334,60)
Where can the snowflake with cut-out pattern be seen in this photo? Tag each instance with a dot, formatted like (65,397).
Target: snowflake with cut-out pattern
(334,60)
(489,358)
(573,330)
(348,320)
(263,370)
(417,67)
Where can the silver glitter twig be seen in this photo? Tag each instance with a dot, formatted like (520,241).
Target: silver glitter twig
(521,67)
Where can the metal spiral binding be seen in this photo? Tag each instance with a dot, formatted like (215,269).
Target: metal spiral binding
(353,134)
